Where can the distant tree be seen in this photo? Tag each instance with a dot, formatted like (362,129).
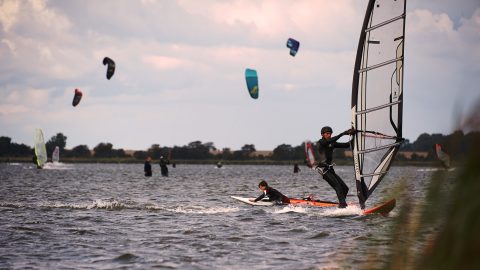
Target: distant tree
(59,140)
(119,153)
(5,148)
(226,154)
(80,151)
(103,150)
(154,151)
(140,155)
(9,149)
(283,152)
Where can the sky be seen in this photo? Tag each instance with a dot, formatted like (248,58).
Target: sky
(180,70)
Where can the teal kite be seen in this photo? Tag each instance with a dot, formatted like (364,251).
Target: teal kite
(252,82)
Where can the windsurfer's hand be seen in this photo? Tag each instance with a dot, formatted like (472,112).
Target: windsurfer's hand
(252,200)
(349,132)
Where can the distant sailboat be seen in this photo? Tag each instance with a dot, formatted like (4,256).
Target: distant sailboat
(40,150)
(56,155)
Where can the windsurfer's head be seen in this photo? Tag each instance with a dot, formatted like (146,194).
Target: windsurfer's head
(149,158)
(263,185)
(326,132)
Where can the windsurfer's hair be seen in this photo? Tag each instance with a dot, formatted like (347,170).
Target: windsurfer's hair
(263,184)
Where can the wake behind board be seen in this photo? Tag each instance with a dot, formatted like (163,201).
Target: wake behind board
(382,209)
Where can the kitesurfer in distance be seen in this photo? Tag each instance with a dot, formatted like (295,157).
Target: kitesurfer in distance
(147,168)
(163,166)
(272,194)
(325,146)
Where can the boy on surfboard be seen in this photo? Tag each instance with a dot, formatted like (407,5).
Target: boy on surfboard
(272,194)
(326,145)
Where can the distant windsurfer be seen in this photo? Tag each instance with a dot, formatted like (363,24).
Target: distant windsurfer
(272,194)
(296,169)
(163,166)
(35,161)
(147,168)
(325,146)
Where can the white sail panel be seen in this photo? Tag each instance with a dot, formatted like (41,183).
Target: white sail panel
(56,154)
(377,93)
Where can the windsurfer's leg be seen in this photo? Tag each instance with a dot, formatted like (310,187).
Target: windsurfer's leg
(342,184)
(333,182)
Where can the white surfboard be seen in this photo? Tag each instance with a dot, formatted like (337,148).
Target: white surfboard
(247,201)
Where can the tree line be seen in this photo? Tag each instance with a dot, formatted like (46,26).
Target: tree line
(455,144)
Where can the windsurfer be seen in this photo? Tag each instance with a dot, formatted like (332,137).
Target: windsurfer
(326,145)
(296,169)
(163,166)
(34,160)
(272,194)
(147,168)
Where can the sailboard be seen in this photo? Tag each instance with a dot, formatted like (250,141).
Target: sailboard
(377,93)
(382,209)
(56,154)
(40,150)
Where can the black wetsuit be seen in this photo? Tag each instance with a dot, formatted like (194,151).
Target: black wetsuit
(147,168)
(273,195)
(325,149)
(296,169)
(163,167)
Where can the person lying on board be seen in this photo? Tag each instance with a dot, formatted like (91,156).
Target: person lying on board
(326,145)
(272,194)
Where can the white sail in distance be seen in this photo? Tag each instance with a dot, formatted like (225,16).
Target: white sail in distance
(40,150)
(56,154)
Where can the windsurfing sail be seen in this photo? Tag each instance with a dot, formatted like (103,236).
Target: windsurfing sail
(442,156)
(377,93)
(252,82)
(309,154)
(293,45)
(40,150)
(56,154)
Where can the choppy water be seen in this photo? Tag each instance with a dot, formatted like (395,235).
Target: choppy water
(109,216)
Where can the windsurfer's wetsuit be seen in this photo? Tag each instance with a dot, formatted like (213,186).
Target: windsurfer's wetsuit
(273,195)
(163,167)
(325,149)
(147,168)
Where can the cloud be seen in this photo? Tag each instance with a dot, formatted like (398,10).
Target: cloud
(180,69)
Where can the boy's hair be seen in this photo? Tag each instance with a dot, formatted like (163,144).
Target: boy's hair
(263,184)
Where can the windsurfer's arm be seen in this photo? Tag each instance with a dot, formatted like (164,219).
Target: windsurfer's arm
(346,144)
(259,197)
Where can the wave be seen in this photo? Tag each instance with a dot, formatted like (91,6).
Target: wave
(57,166)
(112,204)
(290,209)
(203,210)
(351,210)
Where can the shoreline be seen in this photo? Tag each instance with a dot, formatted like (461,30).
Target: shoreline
(214,161)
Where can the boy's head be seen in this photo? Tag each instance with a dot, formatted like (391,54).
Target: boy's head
(327,132)
(263,185)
